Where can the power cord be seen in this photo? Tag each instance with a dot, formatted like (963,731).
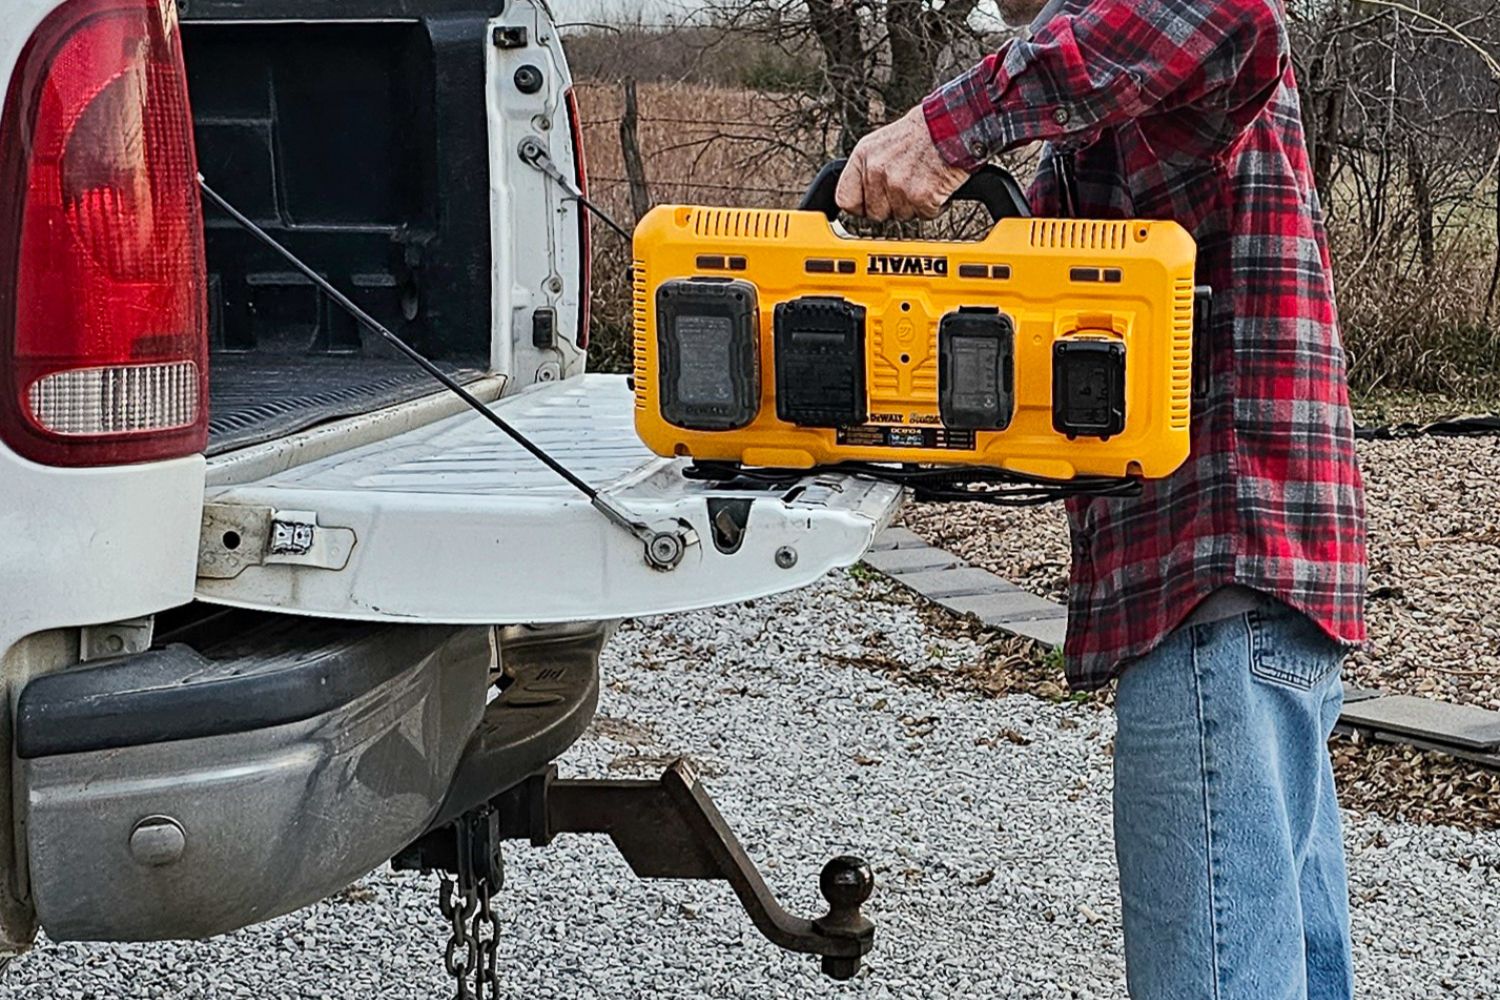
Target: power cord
(937,484)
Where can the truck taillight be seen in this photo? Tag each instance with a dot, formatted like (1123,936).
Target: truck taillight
(103,310)
(585,240)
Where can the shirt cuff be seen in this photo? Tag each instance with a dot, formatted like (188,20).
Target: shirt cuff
(962,118)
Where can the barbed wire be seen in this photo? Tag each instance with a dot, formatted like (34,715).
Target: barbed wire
(667,120)
(704,185)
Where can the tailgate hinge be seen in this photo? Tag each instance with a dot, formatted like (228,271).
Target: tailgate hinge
(237,536)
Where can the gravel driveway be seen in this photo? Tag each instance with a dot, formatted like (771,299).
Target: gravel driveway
(986,819)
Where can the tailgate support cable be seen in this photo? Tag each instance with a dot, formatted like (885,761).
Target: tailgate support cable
(665,546)
(533,155)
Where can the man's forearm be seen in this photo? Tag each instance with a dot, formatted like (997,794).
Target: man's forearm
(1106,62)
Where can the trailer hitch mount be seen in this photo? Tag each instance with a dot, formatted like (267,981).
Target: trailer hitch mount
(670,828)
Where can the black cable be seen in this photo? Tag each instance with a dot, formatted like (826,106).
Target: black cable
(604,216)
(938,484)
(411,352)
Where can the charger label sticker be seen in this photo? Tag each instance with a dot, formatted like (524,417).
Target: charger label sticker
(872,436)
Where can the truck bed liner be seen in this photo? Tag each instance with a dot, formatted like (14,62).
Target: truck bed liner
(256,398)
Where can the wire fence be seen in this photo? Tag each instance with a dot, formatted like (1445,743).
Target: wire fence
(680,145)
(705,185)
(742,123)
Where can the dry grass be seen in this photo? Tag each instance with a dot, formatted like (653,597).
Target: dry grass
(1405,331)
(700,145)
(696,140)
(1409,331)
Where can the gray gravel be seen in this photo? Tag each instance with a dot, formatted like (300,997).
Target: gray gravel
(1434,611)
(987,821)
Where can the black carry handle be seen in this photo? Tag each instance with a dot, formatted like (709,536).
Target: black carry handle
(991,186)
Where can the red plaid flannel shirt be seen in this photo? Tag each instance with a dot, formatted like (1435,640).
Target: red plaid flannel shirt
(1188,110)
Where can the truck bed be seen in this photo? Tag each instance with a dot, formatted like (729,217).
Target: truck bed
(255,398)
(355,134)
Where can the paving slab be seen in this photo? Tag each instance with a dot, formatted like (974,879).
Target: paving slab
(959,581)
(1353,694)
(899,562)
(898,538)
(1050,632)
(1458,725)
(1004,606)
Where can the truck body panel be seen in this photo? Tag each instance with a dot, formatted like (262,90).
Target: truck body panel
(379,140)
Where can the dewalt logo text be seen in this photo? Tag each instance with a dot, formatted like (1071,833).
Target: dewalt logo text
(881,263)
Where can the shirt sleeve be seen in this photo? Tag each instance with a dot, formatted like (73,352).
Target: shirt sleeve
(1109,61)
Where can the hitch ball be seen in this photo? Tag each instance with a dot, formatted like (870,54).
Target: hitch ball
(846,882)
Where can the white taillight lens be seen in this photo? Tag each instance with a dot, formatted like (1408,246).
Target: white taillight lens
(123,399)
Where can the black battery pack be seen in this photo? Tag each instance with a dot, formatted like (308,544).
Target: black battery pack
(1088,387)
(820,362)
(976,369)
(708,340)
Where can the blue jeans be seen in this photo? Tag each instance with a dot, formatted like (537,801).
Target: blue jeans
(1226,825)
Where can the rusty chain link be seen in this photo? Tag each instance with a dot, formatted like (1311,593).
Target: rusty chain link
(485,938)
(459,907)
(472,954)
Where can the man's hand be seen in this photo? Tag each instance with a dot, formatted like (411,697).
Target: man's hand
(897,173)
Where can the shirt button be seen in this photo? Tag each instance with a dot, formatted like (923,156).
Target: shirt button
(978,148)
(1061,115)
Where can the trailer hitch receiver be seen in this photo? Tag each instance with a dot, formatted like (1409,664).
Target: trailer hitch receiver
(670,828)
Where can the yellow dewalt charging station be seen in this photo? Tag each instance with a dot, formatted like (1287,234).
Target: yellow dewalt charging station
(1052,348)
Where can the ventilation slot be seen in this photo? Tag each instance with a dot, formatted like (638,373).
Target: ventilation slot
(1182,353)
(1066,234)
(741,223)
(642,376)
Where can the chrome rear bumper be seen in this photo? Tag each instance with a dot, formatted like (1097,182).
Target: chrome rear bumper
(201,787)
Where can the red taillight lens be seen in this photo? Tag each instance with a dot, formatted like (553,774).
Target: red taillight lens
(103,333)
(585,240)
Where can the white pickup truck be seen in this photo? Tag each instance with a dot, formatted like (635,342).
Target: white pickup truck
(275,608)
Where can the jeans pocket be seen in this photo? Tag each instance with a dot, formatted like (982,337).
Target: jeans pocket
(1290,649)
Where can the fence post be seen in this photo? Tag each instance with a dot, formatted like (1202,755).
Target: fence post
(630,150)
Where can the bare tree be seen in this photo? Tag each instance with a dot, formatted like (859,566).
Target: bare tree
(1401,102)
(874,58)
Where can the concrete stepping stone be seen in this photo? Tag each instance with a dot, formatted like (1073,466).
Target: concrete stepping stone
(960,581)
(898,538)
(897,562)
(1004,605)
(1049,632)
(1353,694)
(1464,726)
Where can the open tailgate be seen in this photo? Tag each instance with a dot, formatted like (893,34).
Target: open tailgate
(453,523)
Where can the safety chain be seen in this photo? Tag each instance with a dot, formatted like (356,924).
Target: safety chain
(473,941)
(458,908)
(486,939)
(465,854)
